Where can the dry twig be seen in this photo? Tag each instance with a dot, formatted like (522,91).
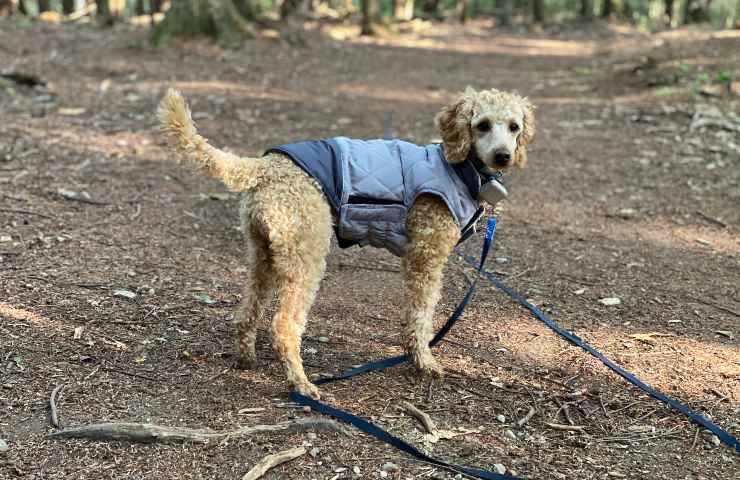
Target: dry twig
(567,428)
(148,433)
(53,405)
(422,417)
(522,421)
(273,460)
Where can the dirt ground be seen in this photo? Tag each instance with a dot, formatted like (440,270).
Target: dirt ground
(622,198)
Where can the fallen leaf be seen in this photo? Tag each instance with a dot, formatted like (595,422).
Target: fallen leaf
(71,112)
(124,294)
(648,337)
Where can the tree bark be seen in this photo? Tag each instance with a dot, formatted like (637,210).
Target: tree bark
(431,8)
(368,16)
(462,10)
(587,9)
(403,9)
(69,6)
(219,19)
(538,11)
(504,12)
(606,8)
(668,4)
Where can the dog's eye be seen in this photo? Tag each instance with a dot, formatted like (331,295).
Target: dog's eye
(484,126)
(514,127)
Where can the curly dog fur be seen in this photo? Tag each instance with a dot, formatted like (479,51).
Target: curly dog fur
(288,223)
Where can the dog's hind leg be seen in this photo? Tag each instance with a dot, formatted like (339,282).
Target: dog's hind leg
(432,234)
(299,251)
(258,285)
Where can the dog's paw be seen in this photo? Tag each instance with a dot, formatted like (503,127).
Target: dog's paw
(430,368)
(308,389)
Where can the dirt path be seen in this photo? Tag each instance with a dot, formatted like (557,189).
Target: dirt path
(621,199)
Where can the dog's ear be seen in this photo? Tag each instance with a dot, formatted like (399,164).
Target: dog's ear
(526,136)
(453,123)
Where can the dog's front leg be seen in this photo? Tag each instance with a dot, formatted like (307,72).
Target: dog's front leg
(432,234)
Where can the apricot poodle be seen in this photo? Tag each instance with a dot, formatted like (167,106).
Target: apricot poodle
(290,212)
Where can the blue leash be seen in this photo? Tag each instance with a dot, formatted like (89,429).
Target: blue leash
(723,435)
(386,437)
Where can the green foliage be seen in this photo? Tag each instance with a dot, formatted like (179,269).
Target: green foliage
(723,77)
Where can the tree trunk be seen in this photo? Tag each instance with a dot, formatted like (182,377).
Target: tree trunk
(288,7)
(7,7)
(668,15)
(369,7)
(504,12)
(462,10)
(103,10)
(69,6)
(431,8)
(403,9)
(606,8)
(587,9)
(538,11)
(219,19)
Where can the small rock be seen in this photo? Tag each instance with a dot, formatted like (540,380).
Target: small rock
(390,467)
(627,213)
(315,452)
(124,294)
(509,435)
(383,474)
(714,440)
(502,260)
(204,299)
(4,446)
(580,291)
(323,339)
(311,351)
(610,301)
(5,238)
(356,470)
(500,418)
(499,468)
(312,436)
(307,409)
(340,470)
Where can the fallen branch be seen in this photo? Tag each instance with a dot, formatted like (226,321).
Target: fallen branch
(567,428)
(150,433)
(273,460)
(422,417)
(24,212)
(53,405)
(711,219)
(522,421)
(718,307)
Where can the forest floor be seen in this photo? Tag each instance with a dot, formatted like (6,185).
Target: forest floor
(627,195)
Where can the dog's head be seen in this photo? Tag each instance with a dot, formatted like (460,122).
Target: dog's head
(499,125)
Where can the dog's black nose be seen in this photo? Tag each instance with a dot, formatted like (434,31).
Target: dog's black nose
(501,157)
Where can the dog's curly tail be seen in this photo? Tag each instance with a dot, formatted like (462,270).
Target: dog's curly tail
(176,122)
